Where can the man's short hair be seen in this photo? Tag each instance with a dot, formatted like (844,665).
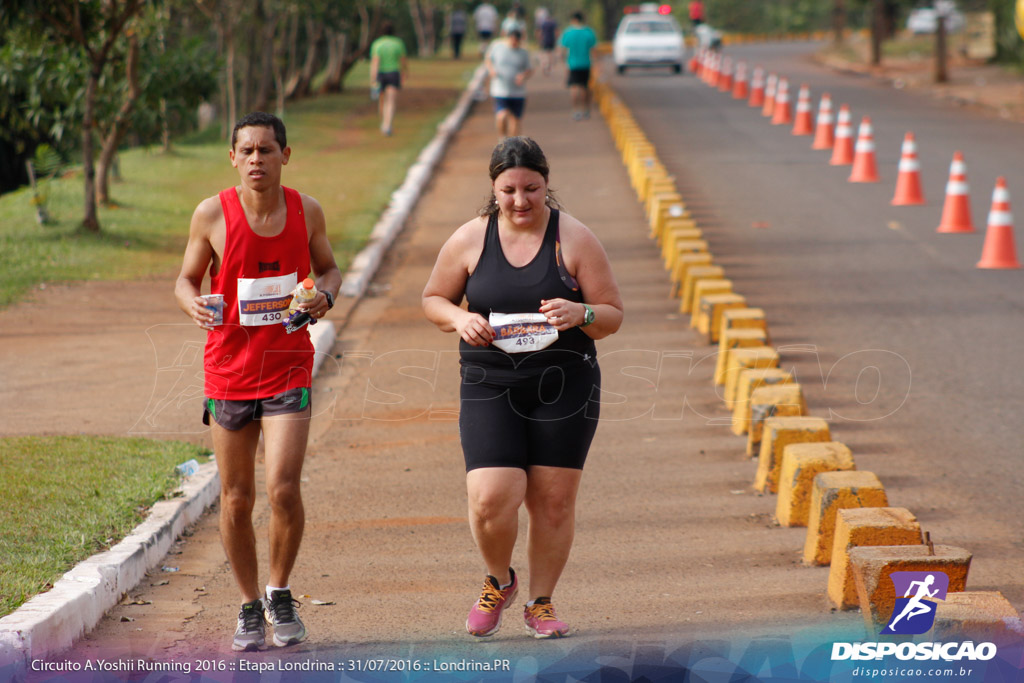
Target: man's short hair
(263,120)
(515,33)
(388,28)
(577,16)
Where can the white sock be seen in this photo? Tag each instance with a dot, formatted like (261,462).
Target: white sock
(271,589)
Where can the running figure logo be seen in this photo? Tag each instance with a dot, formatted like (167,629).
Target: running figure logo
(914,613)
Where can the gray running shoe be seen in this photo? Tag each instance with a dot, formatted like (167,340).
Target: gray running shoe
(280,609)
(250,634)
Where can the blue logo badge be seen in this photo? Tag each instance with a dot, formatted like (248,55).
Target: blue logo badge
(914,612)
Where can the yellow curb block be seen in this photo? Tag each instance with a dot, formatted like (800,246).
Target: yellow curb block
(683,262)
(747,381)
(695,274)
(680,231)
(778,400)
(873,565)
(780,432)
(801,462)
(744,318)
(862,527)
(663,192)
(978,616)
(754,358)
(735,338)
(712,308)
(701,290)
(831,492)
(667,214)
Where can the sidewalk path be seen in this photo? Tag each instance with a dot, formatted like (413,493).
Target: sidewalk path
(671,542)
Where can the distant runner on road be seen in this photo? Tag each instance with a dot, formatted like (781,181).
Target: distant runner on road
(387,67)
(540,290)
(578,41)
(258,240)
(508,64)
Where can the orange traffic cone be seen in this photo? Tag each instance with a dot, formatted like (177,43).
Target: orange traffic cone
(956,211)
(842,150)
(739,87)
(999,250)
(864,170)
(823,134)
(769,95)
(693,66)
(908,182)
(803,123)
(757,88)
(713,72)
(783,114)
(725,80)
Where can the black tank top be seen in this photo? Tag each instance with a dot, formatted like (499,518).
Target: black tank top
(498,286)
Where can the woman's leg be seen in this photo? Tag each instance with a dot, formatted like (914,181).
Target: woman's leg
(495,494)
(551,504)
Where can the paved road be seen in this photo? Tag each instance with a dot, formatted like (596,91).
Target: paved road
(868,284)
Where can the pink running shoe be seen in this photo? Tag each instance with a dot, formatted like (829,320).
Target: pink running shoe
(541,621)
(485,617)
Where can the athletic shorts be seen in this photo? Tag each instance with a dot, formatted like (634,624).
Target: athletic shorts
(392,79)
(233,415)
(485,35)
(579,77)
(548,421)
(516,105)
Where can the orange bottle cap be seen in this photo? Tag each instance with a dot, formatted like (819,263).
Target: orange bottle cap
(308,283)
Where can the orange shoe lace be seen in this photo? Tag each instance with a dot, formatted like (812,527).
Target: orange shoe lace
(489,598)
(543,612)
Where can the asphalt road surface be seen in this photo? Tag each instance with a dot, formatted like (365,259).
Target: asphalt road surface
(864,284)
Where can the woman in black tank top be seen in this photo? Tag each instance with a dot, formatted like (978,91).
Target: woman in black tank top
(526,420)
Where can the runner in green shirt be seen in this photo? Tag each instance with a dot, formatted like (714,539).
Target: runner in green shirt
(577,43)
(387,66)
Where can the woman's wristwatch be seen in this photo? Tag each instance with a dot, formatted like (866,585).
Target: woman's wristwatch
(588,315)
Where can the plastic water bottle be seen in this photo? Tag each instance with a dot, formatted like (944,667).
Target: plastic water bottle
(296,318)
(303,294)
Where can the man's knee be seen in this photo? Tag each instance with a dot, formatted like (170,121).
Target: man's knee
(284,495)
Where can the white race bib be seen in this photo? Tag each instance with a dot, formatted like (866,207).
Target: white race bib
(264,300)
(522,332)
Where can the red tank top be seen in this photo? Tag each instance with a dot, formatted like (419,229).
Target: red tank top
(250,355)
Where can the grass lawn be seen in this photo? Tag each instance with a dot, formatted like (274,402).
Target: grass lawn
(68,497)
(65,498)
(338,157)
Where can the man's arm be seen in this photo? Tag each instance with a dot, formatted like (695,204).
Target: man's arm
(198,255)
(321,258)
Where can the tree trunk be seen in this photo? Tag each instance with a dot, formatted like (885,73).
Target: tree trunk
(266,82)
(90,218)
(229,73)
(337,43)
(839,22)
(314,31)
(941,60)
(877,29)
(120,123)
(422,13)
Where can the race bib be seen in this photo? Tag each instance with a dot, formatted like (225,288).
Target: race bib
(264,300)
(522,332)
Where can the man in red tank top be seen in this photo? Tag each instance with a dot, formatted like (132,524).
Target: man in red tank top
(258,241)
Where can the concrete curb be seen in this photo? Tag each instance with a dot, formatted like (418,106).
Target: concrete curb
(392,221)
(53,621)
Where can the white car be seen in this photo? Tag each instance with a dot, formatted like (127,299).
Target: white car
(648,39)
(926,19)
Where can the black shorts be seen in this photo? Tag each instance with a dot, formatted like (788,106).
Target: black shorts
(234,415)
(485,35)
(390,79)
(548,421)
(579,77)
(515,105)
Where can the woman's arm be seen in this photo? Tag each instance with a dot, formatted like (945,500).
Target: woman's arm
(446,287)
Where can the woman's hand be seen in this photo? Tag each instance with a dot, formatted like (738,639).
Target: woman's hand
(474,329)
(562,313)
